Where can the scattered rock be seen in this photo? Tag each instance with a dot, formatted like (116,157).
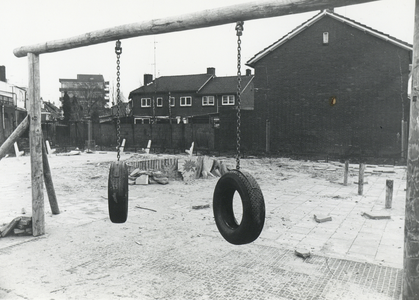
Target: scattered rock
(200,206)
(302,253)
(322,219)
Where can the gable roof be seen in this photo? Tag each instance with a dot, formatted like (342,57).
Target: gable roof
(223,85)
(335,16)
(179,83)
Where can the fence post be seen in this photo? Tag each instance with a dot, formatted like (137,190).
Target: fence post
(345,174)
(361,179)
(389,193)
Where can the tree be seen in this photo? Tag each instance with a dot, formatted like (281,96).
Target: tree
(66,107)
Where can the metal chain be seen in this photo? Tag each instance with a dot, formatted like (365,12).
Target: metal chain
(239,32)
(118,51)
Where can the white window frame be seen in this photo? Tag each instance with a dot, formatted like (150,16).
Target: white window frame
(174,101)
(185,101)
(325,38)
(208,100)
(145,102)
(159,99)
(228,100)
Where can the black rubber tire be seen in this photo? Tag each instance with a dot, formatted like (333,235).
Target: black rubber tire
(118,192)
(253,205)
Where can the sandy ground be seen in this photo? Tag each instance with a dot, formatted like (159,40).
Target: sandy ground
(84,256)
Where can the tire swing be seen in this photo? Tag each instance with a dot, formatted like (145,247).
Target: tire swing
(253,204)
(118,171)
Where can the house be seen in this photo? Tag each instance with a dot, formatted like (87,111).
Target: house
(88,95)
(51,116)
(332,86)
(186,98)
(13,106)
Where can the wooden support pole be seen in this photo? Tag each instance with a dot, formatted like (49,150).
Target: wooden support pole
(23,126)
(206,18)
(411,223)
(49,185)
(345,173)
(361,179)
(35,142)
(389,193)
(268,136)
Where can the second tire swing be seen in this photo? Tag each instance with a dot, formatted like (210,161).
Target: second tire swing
(253,203)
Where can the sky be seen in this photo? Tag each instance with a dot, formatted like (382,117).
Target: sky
(29,22)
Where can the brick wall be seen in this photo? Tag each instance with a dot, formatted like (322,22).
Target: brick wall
(367,75)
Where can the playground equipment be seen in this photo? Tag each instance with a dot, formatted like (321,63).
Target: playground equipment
(118,171)
(208,18)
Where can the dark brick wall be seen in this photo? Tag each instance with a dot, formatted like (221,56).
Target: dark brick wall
(367,75)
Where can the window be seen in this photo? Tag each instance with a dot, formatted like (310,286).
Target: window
(325,38)
(186,101)
(228,100)
(159,102)
(172,101)
(145,102)
(207,100)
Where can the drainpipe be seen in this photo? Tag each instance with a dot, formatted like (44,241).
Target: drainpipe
(2,116)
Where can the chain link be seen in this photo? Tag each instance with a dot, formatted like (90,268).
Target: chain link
(239,32)
(118,51)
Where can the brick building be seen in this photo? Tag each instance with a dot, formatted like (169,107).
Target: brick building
(192,97)
(332,86)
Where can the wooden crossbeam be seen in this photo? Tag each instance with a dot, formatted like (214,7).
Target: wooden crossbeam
(206,18)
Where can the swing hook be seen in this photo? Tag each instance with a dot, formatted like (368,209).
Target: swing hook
(118,48)
(239,28)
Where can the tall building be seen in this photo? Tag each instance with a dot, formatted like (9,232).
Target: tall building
(88,96)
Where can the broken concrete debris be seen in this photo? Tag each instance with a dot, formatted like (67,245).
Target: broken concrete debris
(302,253)
(322,219)
(375,216)
(19,226)
(141,177)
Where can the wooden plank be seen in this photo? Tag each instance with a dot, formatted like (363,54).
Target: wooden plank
(49,185)
(23,126)
(6,230)
(35,142)
(411,224)
(206,18)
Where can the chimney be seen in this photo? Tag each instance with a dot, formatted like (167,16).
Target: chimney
(248,72)
(148,78)
(3,73)
(211,71)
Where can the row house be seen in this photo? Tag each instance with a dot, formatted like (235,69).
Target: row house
(189,98)
(13,106)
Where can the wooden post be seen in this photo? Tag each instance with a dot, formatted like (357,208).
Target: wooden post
(268,136)
(207,18)
(389,193)
(49,185)
(35,142)
(345,173)
(14,136)
(361,179)
(411,223)
(403,139)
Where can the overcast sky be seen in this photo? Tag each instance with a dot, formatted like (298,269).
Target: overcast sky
(27,22)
